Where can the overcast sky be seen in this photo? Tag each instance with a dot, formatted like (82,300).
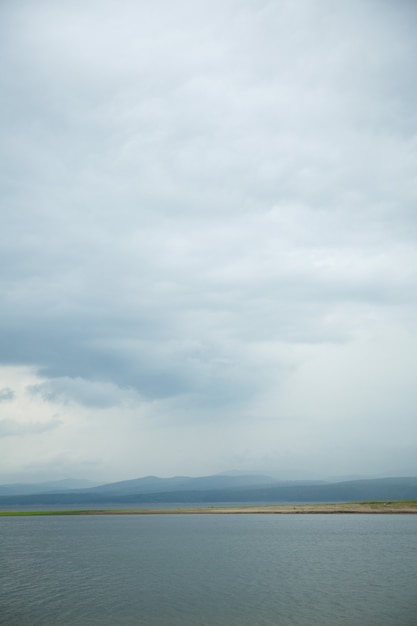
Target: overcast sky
(208,238)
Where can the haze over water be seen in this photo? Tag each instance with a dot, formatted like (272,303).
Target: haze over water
(209,570)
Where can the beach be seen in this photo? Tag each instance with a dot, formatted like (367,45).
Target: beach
(390,507)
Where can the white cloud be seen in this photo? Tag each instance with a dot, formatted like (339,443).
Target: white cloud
(12,428)
(6,394)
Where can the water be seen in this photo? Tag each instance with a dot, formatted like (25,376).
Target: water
(209,570)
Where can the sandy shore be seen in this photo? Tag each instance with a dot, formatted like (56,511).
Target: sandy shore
(409,506)
(278,509)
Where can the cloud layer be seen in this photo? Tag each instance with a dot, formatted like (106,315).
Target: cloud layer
(208,233)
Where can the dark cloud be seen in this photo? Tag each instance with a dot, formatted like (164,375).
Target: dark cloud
(80,391)
(193,194)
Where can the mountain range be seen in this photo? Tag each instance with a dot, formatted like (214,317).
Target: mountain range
(219,488)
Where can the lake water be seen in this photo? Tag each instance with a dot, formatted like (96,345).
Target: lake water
(209,570)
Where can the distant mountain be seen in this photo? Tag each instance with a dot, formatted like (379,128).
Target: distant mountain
(148,484)
(44,487)
(154,484)
(222,489)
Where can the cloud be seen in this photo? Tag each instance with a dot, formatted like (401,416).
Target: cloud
(195,195)
(80,391)
(12,428)
(6,394)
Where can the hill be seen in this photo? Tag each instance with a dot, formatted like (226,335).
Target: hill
(224,489)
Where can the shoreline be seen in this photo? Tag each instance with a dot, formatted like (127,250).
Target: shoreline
(379,508)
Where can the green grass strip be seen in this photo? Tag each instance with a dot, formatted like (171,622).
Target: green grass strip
(31,513)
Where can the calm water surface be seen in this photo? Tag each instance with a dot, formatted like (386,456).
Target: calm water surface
(204,570)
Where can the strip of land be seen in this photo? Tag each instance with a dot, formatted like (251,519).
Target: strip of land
(395,506)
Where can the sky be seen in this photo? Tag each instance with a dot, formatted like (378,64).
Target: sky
(208,235)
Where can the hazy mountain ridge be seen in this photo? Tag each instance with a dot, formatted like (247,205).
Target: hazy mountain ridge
(224,488)
(154,484)
(53,486)
(146,484)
